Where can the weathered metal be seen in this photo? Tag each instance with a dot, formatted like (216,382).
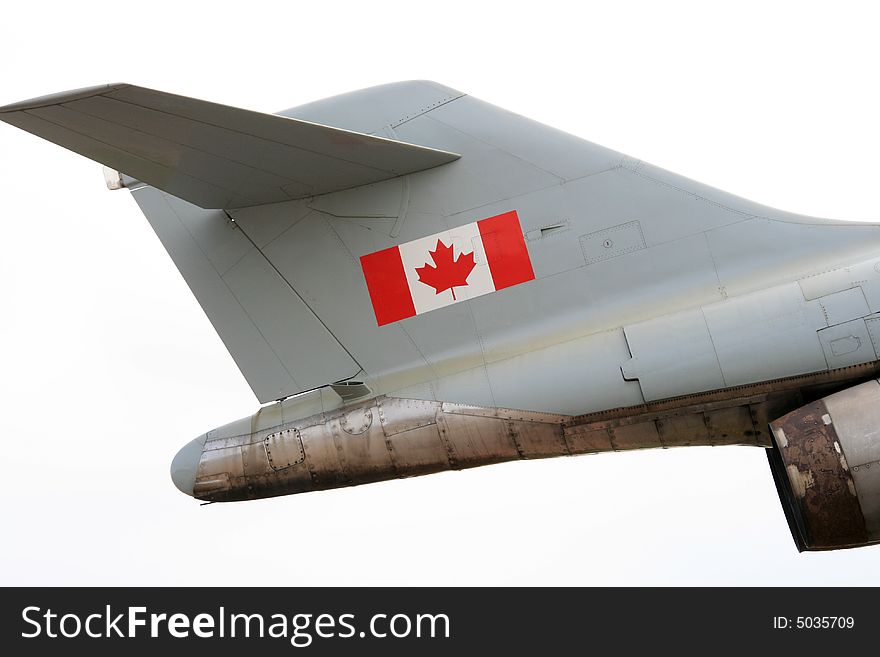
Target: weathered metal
(819,488)
(388,438)
(820,448)
(383,438)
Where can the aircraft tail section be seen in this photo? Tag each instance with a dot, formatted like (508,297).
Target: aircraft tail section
(514,277)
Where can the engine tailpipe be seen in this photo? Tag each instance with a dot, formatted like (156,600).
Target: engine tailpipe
(826,464)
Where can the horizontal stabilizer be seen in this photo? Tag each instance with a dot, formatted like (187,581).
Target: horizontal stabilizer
(211,155)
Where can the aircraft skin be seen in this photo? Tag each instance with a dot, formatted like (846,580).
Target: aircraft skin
(412,281)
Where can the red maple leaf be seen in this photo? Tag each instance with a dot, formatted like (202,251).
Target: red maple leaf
(448,273)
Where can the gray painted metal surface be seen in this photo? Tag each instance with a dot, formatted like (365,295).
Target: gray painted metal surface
(616,245)
(213,155)
(661,311)
(275,338)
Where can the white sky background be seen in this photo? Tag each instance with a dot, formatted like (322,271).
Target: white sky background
(109,365)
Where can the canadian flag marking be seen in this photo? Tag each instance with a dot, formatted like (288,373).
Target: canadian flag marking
(448,267)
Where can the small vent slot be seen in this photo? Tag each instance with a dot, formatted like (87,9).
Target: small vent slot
(549,230)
